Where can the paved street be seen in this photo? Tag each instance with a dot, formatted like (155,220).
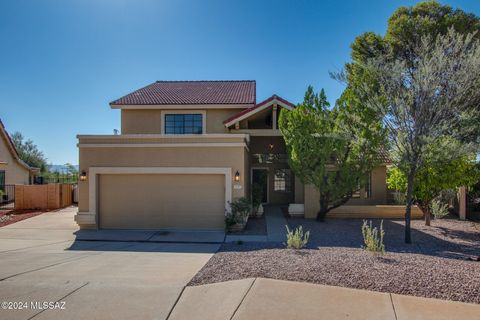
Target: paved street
(41,262)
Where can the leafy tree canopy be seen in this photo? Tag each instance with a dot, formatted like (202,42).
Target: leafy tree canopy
(421,78)
(441,172)
(29,152)
(333,149)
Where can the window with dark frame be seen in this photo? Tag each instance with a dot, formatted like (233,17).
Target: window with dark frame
(2,178)
(183,124)
(2,181)
(282,181)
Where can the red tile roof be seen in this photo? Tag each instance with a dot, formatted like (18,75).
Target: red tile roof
(384,156)
(192,92)
(241,113)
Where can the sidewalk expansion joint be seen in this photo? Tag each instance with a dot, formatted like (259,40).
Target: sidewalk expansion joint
(246,293)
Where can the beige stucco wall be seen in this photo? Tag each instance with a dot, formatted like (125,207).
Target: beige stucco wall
(225,157)
(15,173)
(150,121)
(378,197)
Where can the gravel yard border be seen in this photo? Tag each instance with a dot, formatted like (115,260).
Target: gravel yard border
(435,266)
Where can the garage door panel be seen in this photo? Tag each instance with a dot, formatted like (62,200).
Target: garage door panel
(156,201)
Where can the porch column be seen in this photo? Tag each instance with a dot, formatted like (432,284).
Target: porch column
(274,117)
(462,203)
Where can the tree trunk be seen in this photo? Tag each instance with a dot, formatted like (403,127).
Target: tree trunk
(428,216)
(426,212)
(323,210)
(408,209)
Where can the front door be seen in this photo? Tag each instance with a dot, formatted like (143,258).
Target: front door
(260,182)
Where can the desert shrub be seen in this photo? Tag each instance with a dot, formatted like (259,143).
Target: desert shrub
(230,220)
(399,198)
(241,207)
(297,239)
(239,211)
(373,238)
(439,209)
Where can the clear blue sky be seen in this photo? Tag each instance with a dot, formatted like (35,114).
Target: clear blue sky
(61,62)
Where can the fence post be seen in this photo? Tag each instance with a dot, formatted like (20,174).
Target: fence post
(18,197)
(462,203)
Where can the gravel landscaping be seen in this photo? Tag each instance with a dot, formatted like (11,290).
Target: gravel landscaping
(440,264)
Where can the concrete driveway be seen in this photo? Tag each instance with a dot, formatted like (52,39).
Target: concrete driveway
(40,261)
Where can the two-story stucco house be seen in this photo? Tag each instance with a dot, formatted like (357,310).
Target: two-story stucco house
(185,150)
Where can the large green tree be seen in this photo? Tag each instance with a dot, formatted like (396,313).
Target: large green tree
(421,77)
(29,152)
(439,172)
(333,149)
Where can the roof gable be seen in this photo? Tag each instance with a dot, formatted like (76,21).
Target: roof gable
(257,108)
(11,146)
(240,92)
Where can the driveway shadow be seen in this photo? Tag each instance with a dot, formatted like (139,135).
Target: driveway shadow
(119,246)
(148,241)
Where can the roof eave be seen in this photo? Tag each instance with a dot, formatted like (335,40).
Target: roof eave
(183,106)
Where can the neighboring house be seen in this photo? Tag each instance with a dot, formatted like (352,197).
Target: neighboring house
(185,150)
(12,169)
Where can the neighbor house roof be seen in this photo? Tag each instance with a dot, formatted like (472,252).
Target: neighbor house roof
(12,148)
(258,107)
(384,156)
(191,93)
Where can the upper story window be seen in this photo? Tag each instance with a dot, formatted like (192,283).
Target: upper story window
(183,124)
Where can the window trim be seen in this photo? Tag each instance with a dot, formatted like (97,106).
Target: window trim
(202,112)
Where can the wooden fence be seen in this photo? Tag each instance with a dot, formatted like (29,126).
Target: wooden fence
(46,196)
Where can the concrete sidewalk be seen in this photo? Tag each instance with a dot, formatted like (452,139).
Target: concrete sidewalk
(258,298)
(276,223)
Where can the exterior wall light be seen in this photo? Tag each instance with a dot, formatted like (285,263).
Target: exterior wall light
(83,176)
(237,176)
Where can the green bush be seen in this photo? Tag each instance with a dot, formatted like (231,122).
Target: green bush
(439,209)
(399,198)
(239,211)
(241,207)
(296,239)
(230,220)
(373,238)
